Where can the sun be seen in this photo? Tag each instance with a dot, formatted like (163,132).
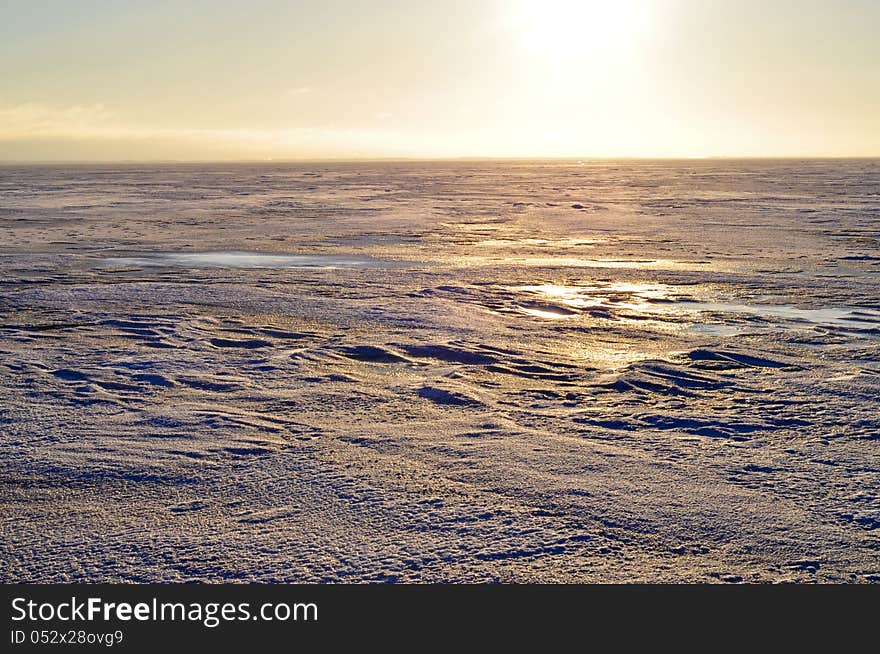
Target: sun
(579,27)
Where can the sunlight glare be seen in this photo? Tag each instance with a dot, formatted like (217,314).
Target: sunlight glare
(572,27)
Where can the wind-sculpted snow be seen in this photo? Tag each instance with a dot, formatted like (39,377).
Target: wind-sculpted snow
(535,371)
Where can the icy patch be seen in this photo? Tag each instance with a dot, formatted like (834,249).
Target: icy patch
(604,294)
(525,242)
(236,259)
(548,311)
(663,302)
(831,316)
(579,262)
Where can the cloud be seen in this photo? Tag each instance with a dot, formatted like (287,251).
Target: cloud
(96,124)
(31,120)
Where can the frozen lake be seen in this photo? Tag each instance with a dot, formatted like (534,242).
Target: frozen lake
(605,371)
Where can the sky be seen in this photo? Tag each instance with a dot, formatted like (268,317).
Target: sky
(308,79)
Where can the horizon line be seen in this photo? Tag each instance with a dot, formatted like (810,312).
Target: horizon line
(273,160)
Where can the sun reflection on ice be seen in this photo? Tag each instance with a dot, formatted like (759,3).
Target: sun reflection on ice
(608,294)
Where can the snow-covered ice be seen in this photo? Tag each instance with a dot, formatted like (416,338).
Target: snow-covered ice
(441,371)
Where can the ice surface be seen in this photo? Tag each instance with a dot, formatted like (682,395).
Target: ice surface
(664,302)
(244,260)
(459,371)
